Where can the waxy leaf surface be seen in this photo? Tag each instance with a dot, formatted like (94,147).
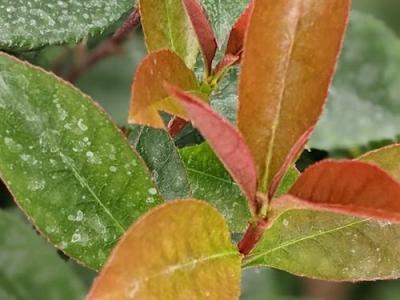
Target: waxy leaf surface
(180,250)
(351,187)
(281,94)
(30,267)
(387,158)
(210,182)
(366,88)
(329,246)
(204,32)
(67,165)
(161,155)
(225,140)
(30,24)
(149,96)
(238,32)
(166,26)
(223,14)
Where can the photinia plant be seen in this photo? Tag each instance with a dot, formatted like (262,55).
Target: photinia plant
(153,218)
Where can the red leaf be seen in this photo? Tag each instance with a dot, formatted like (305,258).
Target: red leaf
(225,140)
(350,187)
(204,32)
(238,32)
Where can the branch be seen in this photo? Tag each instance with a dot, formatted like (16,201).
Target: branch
(107,48)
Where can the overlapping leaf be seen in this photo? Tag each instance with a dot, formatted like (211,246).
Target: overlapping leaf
(226,142)
(149,96)
(166,26)
(352,187)
(282,94)
(329,246)
(387,158)
(181,250)
(67,165)
(204,32)
(29,24)
(158,150)
(223,15)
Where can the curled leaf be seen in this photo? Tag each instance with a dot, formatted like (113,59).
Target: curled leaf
(148,93)
(225,140)
(351,187)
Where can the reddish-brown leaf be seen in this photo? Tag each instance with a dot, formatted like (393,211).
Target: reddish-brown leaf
(351,187)
(225,140)
(237,35)
(204,31)
(148,93)
(290,53)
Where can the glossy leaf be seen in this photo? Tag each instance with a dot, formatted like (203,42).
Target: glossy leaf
(166,26)
(225,140)
(238,32)
(30,268)
(181,250)
(281,95)
(204,32)
(223,14)
(148,93)
(210,181)
(366,88)
(352,187)
(158,150)
(387,158)
(29,24)
(67,165)
(329,246)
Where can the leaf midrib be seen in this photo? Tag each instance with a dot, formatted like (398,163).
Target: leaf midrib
(251,258)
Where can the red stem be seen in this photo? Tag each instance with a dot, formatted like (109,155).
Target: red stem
(253,234)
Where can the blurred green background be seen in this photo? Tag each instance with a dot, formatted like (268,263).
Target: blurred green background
(109,83)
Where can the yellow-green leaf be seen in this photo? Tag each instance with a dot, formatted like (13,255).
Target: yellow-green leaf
(180,250)
(388,158)
(166,26)
(289,57)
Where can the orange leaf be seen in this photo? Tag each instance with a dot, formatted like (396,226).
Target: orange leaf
(351,187)
(204,31)
(148,93)
(178,251)
(226,141)
(289,58)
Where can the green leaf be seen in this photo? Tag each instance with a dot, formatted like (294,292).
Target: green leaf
(30,24)
(387,158)
(166,26)
(224,98)
(210,181)
(162,158)
(180,250)
(329,246)
(66,163)
(223,15)
(363,104)
(30,268)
